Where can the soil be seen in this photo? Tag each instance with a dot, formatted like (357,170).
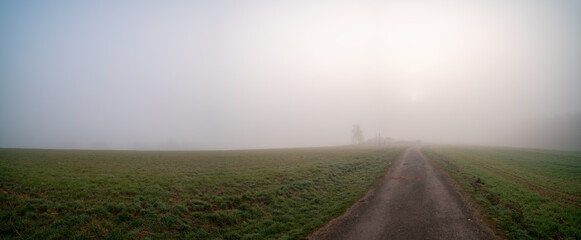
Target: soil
(414,200)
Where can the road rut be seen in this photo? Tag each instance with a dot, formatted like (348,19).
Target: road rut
(414,200)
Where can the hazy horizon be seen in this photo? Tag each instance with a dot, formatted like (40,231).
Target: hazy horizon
(202,75)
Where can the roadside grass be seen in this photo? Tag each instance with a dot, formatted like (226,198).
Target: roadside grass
(251,194)
(526,193)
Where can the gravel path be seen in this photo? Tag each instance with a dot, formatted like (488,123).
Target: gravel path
(414,200)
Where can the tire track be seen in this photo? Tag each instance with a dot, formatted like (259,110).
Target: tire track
(414,200)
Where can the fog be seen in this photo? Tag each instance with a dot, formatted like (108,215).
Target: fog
(193,75)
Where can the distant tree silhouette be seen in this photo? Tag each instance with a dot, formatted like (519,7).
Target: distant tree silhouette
(357,134)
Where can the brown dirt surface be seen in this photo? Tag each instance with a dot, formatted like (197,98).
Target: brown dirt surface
(414,200)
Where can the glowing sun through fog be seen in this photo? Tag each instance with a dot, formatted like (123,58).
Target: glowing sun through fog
(258,74)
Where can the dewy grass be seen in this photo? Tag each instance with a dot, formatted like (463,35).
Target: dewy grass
(254,194)
(528,193)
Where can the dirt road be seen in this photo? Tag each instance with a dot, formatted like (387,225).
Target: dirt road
(414,200)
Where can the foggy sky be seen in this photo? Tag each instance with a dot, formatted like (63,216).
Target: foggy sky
(262,74)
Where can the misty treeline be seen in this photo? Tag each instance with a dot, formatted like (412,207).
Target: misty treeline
(555,132)
(357,134)
(559,132)
(357,137)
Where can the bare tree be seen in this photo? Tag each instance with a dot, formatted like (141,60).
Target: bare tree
(357,134)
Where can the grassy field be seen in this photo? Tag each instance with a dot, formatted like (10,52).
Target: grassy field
(526,193)
(254,194)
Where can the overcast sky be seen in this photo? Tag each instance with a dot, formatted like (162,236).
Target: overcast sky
(262,74)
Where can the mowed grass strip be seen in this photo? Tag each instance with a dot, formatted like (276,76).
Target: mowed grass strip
(254,194)
(527,193)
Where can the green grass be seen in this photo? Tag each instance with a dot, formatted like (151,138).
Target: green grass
(254,194)
(526,193)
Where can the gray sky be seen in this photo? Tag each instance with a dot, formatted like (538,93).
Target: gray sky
(261,74)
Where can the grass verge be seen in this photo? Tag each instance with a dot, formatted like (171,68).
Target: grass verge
(527,193)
